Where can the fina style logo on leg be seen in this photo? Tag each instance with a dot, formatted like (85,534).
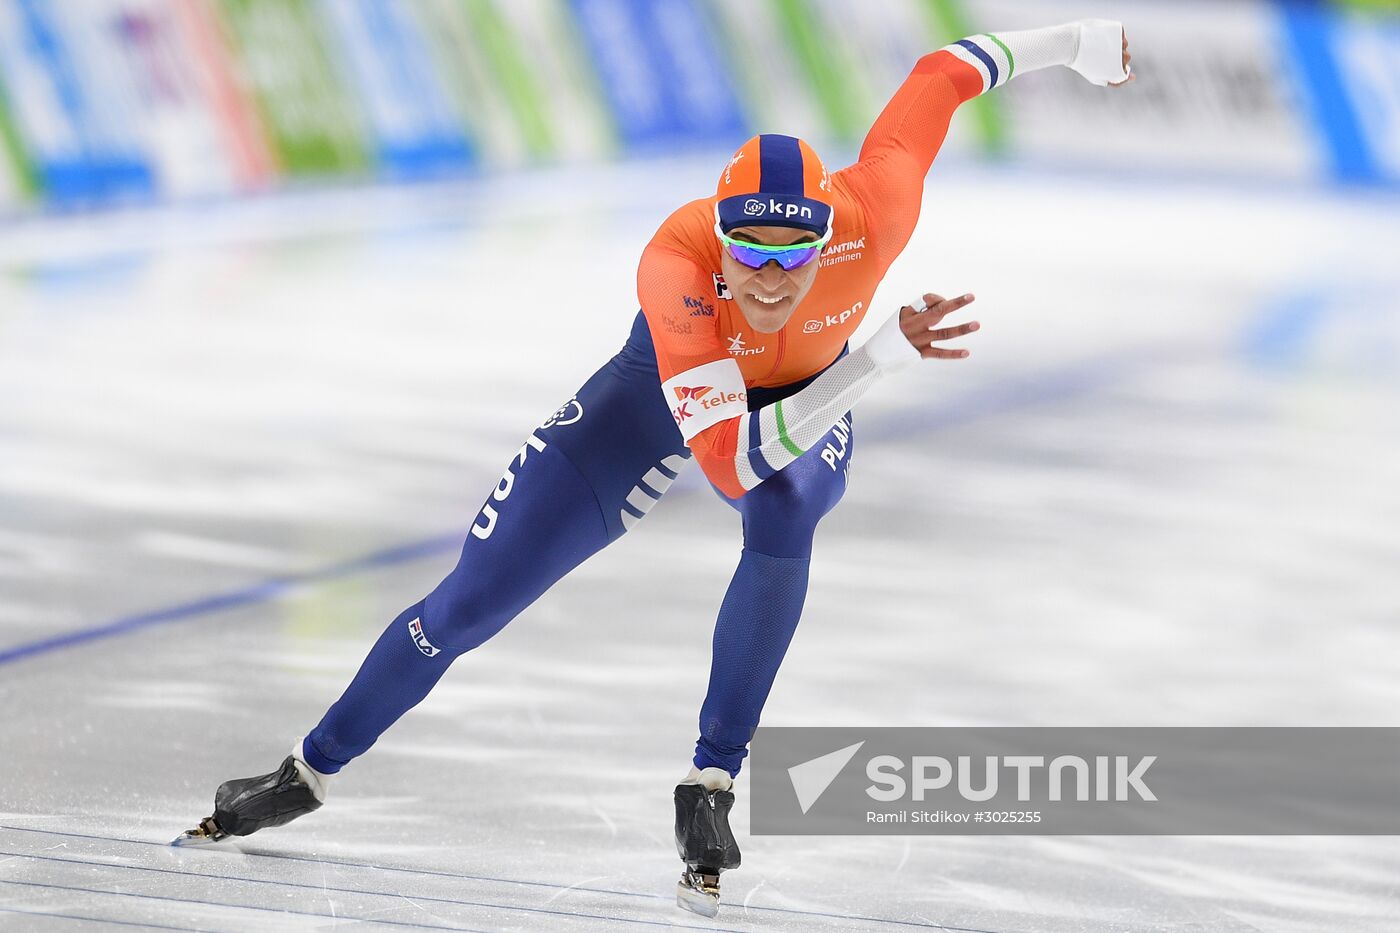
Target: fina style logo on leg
(415,629)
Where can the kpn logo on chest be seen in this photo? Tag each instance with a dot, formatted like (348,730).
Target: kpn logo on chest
(817,325)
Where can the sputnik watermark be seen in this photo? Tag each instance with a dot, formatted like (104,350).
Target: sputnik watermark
(1100,781)
(1115,778)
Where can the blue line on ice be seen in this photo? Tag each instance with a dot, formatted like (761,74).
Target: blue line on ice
(257,593)
(1041,386)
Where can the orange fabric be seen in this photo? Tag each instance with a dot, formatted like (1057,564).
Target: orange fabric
(876,202)
(740,176)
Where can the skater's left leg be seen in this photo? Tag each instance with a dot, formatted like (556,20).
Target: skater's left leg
(765,597)
(756,623)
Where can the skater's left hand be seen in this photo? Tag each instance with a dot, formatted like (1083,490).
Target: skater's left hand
(921,327)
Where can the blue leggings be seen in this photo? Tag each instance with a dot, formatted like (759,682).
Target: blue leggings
(581,480)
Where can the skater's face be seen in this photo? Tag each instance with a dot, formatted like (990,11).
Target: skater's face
(769,295)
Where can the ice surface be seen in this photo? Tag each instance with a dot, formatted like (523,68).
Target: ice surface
(1161,492)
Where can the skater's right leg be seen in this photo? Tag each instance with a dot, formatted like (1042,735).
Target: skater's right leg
(542,521)
(545,520)
(580,481)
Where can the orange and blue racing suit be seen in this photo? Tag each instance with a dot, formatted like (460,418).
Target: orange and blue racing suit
(765,415)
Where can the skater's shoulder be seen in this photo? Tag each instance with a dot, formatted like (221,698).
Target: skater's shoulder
(861,187)
(689,229)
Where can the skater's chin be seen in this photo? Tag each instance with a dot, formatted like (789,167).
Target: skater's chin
(767,317)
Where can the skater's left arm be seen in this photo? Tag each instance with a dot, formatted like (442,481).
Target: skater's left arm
(888,179)
(705,390)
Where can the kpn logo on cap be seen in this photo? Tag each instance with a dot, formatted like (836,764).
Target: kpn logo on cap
(775,181)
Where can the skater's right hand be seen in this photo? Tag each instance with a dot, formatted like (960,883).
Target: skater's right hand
(1102,55)
(921,327)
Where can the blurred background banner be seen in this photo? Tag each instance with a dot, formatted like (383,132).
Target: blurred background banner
(659,65)
(16,175)
(281,57)
(1349,75)
(112,101)
(74,101)
(1218,94)
(382,57)
(179,90)
(284,285)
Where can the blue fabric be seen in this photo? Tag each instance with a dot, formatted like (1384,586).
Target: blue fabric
(765,597)
(756,623)
(779,165)
(787,210)
(982,56)
(761,467)
(560,500)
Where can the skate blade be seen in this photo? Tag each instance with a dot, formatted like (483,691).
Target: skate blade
(190,839)
(205,834)
(698,902)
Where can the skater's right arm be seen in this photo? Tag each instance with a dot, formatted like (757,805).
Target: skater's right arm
(739,449)
(888,179)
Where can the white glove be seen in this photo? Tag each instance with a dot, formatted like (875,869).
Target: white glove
(1099,57)
(889,348)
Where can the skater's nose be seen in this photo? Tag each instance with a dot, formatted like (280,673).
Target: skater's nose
(772,276)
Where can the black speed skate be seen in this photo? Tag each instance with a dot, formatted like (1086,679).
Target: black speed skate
(703,838)
(246,805)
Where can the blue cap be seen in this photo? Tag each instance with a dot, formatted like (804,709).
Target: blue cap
(778,181)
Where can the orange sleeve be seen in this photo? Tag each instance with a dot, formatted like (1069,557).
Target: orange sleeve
(888,179)
(677,298)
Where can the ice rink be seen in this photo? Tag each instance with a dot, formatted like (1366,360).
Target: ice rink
(236,440)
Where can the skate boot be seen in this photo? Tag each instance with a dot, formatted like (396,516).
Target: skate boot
(703,838)
(246,805)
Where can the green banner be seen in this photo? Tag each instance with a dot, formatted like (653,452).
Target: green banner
(770,76)
(950,24)
(829,74)
(516,85)
(503,128)
(518,77)
(284,65)
(19,178)
(825,58)
(1371,6)
(547,56)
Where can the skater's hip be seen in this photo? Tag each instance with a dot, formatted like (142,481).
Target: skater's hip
(619,432)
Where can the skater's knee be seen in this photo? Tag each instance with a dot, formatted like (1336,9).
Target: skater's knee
(460,614)
(793,497)
(781,521)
